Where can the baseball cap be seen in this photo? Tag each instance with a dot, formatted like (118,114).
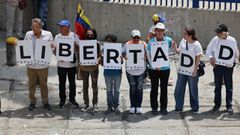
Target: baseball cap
(64,23)
(222,28)
(136,33)
(158,18)
(160,26)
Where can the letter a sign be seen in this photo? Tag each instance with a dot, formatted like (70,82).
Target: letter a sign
(65,48)
(159,54)
(43,52)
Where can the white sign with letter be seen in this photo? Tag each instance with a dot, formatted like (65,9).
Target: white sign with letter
(88,52)
(64,48)
(225,53)
(159,54)
(112,55)
(187,62)
(24,52)
(43,52)
(135,56)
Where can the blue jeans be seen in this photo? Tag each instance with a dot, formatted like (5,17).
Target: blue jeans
(42,11)
(136,89)
(179,92)
(220,73)
(113,85)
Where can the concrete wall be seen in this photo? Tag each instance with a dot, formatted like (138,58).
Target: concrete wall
(120,19)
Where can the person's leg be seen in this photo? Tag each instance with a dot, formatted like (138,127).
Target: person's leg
(32,83)
(19,20)
(43,76)
(154,77)
(139,92)
(164,76)
(180,91)
(42,11)
(117,83)
(62,84)
(109,84)
(228,79)
(94,76)
(132,85)
(10,11)
(85,78)
(193,92)
(218,78)
(72,83)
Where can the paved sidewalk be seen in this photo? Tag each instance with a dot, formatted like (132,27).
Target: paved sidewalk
(17,120)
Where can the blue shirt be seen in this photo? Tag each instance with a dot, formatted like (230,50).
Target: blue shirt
(168,40)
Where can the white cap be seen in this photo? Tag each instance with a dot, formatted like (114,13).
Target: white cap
(136,33)
(160,26)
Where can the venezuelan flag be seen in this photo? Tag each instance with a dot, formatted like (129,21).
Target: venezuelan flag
(82,23)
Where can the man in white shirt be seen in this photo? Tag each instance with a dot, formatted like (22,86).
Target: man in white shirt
(67,68)
(38,73)
(223,54)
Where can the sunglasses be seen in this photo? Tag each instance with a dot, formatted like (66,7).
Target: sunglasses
(136,37)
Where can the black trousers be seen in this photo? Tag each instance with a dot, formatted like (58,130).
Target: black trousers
(220,73)
(63,73)
(154,77)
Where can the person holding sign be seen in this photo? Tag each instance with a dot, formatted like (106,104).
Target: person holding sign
(158,68)
(90,70)
(223,53)
(190,52)
(66,67)
(135,70)
(38,73)
(113,80)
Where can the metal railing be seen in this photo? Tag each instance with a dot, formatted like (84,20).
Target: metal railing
(227,5)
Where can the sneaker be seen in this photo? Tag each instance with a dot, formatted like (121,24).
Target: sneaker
(86,107)
(177,111)
(109,110)
(31,107)
(95,108)
(132,110)
(117,111)
(154,112)
(47,106)
(215,109)
(73,102)
(194,111)
(164,112)
(139,110)
(230,111)
(61,104)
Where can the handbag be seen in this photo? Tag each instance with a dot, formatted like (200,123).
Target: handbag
(22,4)
(201,65)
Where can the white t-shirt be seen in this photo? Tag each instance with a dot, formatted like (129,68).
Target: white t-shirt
(45,35)
(193,47)
(68,64)
(215,43)
(152,29)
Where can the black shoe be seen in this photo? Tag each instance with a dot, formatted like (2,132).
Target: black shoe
(47,106)
(61,104)
(163,111)
(194,111)
(109,110)
(73,102)
(154,112)
(215,109)
(230,111)
(31,107)
(86,107)
(177,111)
